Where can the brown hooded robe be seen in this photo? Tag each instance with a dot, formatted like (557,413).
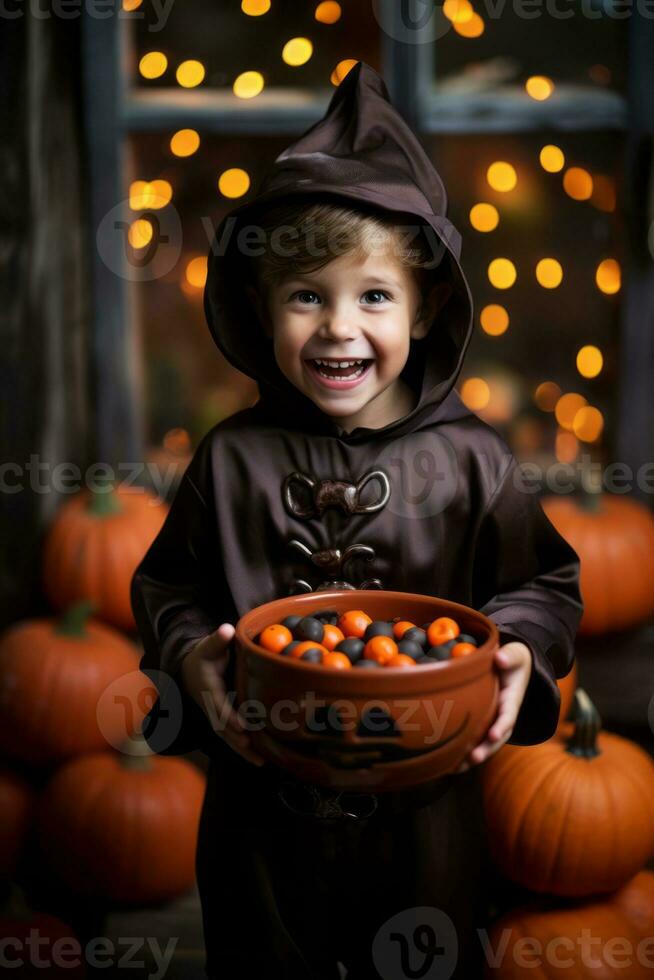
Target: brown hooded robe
(286,895)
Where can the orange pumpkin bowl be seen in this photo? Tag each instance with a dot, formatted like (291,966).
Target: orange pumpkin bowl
(376,730)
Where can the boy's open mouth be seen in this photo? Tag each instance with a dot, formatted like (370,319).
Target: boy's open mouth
(333,369)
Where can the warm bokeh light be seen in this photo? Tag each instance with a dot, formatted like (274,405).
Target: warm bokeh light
(130,5)
(603,196)
(549,273)
(153,64)
(484,217)
(248,84)
(552,158)
(539,87)
(578,183)
(140,233)
(458,11)
(196,272)
(190,73)
(161,192)
(328,12)
(472,27)
(341,70)
(588,423)
(502,273)
(567,407)
(566,447)
(177,441)
(475,393)
(501,176)
(608,276)
(297,51)
(589,361)
(494,320)
(600,74)
(547,395)
(255,8)
(153,194)
(234,182)
(184,142)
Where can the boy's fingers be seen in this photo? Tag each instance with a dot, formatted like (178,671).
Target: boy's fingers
(216,643)
(214,687)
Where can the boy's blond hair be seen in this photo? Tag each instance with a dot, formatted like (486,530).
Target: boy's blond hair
(300,238)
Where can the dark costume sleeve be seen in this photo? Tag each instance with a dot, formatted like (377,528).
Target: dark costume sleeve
(526,579)
(176,599)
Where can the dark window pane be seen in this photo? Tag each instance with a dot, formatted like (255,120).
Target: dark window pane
(228,42)
(547,324)
(578,44)
(188,382)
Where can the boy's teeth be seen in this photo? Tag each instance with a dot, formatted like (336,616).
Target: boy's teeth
(338,363)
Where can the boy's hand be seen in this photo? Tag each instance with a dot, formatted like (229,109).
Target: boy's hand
(202,674)
(515,665)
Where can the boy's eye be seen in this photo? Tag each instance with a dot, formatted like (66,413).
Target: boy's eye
(301,293)
(376,292)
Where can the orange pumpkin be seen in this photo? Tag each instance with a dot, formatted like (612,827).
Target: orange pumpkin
(123,826)
(68,686)
(614,538)
(57,950)
(16,803)
(577,940)
(94,545)
(567,686)
(574,815)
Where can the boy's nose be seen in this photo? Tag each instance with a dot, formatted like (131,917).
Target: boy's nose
(341,327)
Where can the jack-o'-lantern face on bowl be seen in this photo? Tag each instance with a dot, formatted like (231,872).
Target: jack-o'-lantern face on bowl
(385,729)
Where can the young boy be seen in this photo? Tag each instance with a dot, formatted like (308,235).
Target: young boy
(355,329)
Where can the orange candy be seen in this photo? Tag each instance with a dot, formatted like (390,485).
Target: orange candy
(441,630)
(332,636)
(354,622)
(381,649)
(308,645)
(462,649)
(274,638)
(400,660)
(336,660)
(400,628)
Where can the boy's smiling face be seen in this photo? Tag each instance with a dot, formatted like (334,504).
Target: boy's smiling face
(361,309)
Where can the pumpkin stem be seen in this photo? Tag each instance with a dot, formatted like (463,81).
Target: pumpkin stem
(103,502)
(591,486)
(136,753)
(587,722)
(14,904)
(73,621)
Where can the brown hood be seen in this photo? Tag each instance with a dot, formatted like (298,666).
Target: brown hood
(362,150)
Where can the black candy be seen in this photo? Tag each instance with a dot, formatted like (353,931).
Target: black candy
(313,655)
(441,652)
(467,638)
(309,629)
(326,616)
(417,635)
(291,622)
(411,648)
(378,628)
(288,649)
(352,647)
(366,663)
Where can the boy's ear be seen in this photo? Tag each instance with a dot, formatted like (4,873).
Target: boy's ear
(262,312)
(436,299)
